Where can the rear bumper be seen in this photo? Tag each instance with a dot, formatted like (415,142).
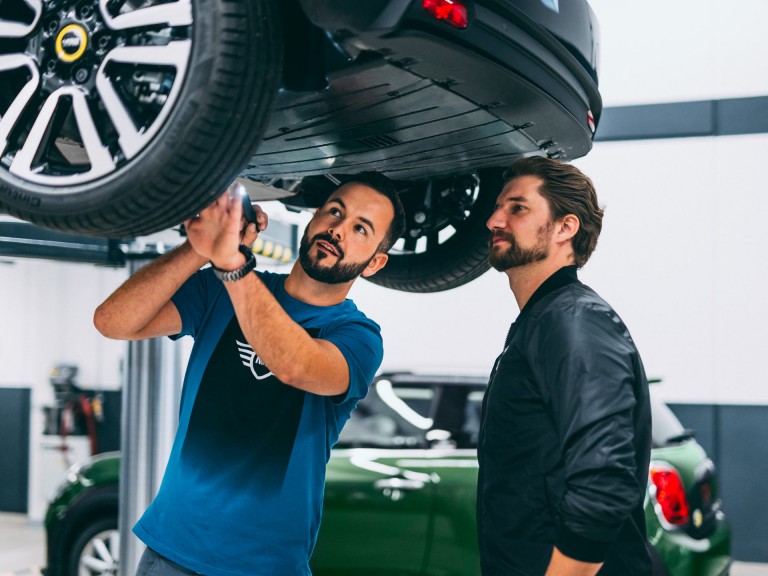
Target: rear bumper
(500,33)
(684,556)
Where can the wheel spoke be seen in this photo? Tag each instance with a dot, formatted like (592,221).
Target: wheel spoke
(176,54)
(13,29)
(102,551)
(95,564)
(99,156)
(171,14)
(11,116)
(172,54)
(114,545)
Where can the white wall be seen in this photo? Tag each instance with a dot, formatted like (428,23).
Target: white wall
(682,258)
(46,319)
(673,51)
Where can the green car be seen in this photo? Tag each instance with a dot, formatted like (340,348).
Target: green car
(401,486)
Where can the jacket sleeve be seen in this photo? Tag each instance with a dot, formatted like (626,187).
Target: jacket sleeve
(584,362)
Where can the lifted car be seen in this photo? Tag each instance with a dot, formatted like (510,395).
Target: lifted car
(120,118)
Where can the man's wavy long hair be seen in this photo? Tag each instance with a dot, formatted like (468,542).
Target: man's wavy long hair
(567,191)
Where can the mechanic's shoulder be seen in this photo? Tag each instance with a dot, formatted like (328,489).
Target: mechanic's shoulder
(271,279)
(347,312)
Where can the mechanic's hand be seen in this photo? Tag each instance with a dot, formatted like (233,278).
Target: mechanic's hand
(217,231)
(251,231)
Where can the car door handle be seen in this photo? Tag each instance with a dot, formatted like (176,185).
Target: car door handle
(399,484)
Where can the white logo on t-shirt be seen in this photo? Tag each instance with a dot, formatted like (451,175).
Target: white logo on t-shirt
(258,368)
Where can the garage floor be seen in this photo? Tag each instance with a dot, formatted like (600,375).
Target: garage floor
(22,545)
(22,549)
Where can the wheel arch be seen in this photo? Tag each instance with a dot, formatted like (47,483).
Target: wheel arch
(93,505)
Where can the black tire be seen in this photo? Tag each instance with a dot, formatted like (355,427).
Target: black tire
(209,133)
(460,259)
(104,529)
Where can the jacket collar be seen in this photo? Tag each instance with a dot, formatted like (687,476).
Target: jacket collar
(564,276)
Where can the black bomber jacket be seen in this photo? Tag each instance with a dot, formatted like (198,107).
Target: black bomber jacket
(565,439)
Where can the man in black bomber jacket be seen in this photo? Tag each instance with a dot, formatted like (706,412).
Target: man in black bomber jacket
(565,437)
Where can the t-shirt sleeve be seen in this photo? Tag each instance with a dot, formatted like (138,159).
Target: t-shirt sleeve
(191,300)
(361,344)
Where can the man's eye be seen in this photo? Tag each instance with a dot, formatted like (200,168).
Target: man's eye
(517,208)
(335,212)
(361,229)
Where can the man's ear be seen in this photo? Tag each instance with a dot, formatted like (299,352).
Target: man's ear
(376,264)
(567,227)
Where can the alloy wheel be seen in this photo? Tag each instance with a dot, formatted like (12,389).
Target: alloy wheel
(100,555)
(85,85)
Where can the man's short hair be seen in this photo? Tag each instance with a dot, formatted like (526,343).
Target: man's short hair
(385,187)
(567,191)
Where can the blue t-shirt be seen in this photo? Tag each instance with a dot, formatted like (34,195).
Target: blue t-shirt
(243,490)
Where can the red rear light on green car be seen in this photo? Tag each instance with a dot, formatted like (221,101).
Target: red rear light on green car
(669,491)
(454,12)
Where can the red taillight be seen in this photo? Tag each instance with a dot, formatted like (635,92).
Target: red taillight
(452,11)
(670,494)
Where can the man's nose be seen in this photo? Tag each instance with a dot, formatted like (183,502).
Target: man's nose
(495,221)
(335,231)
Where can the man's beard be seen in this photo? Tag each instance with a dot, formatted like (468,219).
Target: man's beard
(338,273)
(515,255)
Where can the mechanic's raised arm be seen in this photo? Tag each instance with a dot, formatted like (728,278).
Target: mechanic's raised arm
(293,356)
(141,307)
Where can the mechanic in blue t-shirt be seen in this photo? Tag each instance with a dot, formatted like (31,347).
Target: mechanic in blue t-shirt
(279,362)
